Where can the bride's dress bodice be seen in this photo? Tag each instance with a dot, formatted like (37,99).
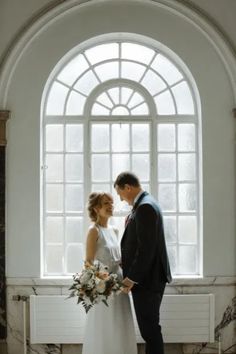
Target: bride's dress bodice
(108,249)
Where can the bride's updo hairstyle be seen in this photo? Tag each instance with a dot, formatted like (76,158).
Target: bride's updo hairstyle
(94,201)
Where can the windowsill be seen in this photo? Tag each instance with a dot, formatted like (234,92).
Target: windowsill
(177,281)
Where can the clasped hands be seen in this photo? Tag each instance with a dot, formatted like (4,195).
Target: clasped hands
(128,284)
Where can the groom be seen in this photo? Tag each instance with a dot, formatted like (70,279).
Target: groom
(145,261)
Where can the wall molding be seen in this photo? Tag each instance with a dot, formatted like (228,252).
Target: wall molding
(67,281)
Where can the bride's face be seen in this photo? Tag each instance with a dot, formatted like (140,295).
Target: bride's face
(106,207)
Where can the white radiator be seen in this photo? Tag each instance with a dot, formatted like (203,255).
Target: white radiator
(184,319)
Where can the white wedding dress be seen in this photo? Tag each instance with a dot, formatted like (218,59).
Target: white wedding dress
(110,330)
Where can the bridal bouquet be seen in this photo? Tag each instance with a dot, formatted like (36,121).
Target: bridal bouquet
(94,285)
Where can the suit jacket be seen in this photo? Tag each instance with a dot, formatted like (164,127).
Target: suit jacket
(143,247)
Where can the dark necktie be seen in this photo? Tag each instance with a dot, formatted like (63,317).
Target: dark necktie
(127,219)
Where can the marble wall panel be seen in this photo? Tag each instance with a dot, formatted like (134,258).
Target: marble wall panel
(225,302)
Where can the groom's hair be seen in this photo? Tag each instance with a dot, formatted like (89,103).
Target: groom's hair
(126,178)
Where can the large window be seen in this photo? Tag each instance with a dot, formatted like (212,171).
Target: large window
(119,106)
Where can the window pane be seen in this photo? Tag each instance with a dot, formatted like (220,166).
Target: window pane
(188,229)
(137,52)
(141,166)
(75,104)
(187,197)
(120,206)
(54,258)
(140,110)
(120,162)
(54,229)
(74,198)
(146,187)
(105,100)
(100,137)
(100,168)
(167,167)
(125,94)
(56,99)
(119,223)
(167,197)
(54,171)
(183,98)
(187,260)
(164,103)
(172,252)
(74,138)
(54,137)
(102,52)
(74,229)
(73,70)
(153,83)
(54,198)
(120,111)
(87,83)
(132,71)
(166,137)
(170,228)
(75,258)
(187,167)
(101,187)
(74,168)
(107,71)
(120,137)
(140,137)
(136,99)
(186,137)
(99,110)
(167,70)
(114,95)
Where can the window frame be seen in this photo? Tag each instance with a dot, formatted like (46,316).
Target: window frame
(154,120)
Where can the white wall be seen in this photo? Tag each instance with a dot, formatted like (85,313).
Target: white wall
(24,98)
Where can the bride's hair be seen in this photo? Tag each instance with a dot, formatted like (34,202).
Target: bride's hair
(95,200)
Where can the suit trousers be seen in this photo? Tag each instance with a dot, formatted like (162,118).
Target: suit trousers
(147,309)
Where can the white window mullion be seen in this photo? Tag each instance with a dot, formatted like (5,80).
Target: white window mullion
(87,166)
(110,156)
(153,153)
(44,211)
(131,147)
(199,206)
(64,200)
(177,197)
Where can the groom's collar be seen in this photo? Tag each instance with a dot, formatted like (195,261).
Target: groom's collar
(138,198)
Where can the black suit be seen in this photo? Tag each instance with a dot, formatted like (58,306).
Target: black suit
(145,261)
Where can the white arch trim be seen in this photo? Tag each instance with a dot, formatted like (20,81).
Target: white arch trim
(187,12)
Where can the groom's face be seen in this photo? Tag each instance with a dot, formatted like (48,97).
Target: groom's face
(124,193)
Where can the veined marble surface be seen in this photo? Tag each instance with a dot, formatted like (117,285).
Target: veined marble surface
(223,288)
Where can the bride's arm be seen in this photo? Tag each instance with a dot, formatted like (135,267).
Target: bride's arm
(91,244)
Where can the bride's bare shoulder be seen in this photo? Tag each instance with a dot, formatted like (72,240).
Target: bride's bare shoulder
(92,231)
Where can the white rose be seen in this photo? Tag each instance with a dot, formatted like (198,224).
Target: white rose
(101,287)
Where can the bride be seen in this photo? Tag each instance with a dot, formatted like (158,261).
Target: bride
(109,330)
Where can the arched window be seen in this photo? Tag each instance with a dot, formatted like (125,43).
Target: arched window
(117,106)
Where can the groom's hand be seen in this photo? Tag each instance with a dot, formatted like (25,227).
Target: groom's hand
(128,285)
